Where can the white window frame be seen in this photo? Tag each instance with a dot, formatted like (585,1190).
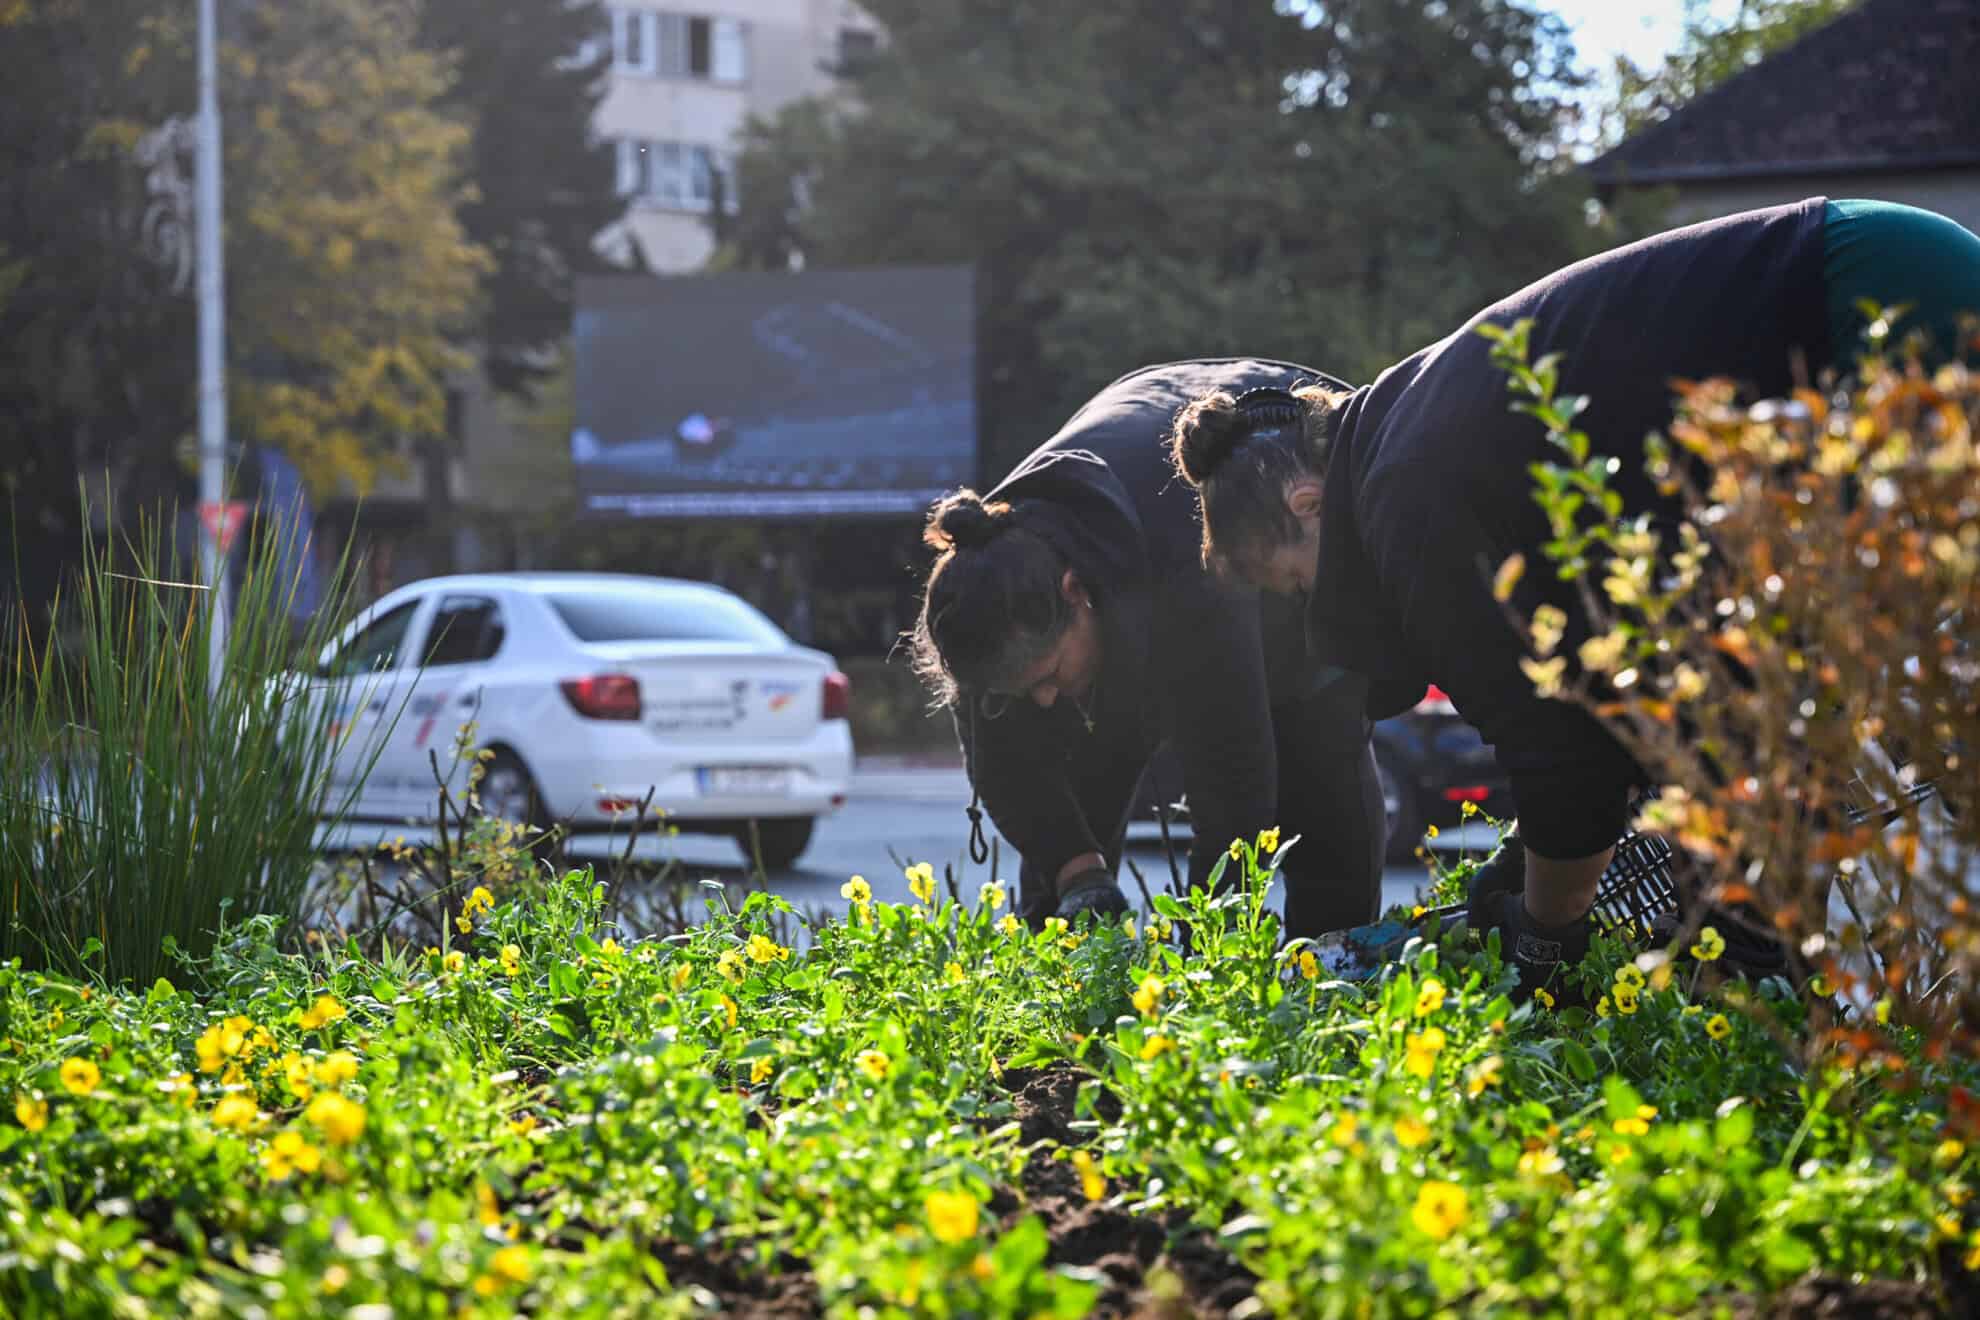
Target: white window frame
(728,51)
(671,45)
(667,175)
(701,167)
(635,168)
(634,32)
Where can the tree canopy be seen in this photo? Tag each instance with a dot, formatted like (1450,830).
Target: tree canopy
(407,182)
(1710,51)
(527,78)
(1139,180)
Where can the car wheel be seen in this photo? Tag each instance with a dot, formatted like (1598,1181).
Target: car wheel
(777,843)
(508,792)
(1405,820)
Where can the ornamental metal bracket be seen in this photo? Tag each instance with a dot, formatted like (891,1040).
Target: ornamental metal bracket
(166,235)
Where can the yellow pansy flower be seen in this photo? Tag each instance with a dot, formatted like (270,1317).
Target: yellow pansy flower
(952,1216)
(340,1121)
(80,1076)
(1441,1209)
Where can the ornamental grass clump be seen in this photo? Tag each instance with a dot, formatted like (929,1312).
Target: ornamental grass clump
(1790,655)
(148,798)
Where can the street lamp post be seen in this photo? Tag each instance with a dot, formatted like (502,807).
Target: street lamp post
(212,344)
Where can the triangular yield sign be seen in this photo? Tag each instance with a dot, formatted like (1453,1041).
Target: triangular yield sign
(223,522)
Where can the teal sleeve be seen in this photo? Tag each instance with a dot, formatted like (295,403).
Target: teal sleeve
(1892,254)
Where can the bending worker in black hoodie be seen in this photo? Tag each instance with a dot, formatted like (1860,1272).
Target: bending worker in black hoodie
(1070,625)
(1392,505)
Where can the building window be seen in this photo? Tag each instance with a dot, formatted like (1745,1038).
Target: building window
(635,180)
(633,40)
(672,45)
(676,176)
(729,60)
(857,46)
(669,174)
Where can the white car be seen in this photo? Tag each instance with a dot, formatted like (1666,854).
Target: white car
(591,690)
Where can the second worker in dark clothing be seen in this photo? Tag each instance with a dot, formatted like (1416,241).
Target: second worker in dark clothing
(1393,506)
(1070,625)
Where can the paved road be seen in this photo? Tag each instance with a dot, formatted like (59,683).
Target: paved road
(899,813)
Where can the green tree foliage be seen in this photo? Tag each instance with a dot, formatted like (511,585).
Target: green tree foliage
(95,353)
(528,77)
(1137,180)
(1711,50)
(350,277)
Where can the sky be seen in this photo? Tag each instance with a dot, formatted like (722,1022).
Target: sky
(1640,29)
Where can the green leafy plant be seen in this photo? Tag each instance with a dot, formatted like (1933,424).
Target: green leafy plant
(930,1108)
(1786,648)
(149,800)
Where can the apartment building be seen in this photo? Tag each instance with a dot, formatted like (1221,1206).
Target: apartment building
(685,76)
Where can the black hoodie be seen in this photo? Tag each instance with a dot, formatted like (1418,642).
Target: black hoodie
(1182,656)
(1429,487)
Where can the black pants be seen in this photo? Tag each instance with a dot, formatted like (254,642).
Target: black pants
(1328,796)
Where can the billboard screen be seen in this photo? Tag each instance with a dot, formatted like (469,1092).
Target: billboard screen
(774,395)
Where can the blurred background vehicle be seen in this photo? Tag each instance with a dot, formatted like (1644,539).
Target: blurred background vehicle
(589,692)
(1432,763)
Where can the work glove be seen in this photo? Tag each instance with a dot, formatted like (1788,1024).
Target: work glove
(1092,890)
(1541,954)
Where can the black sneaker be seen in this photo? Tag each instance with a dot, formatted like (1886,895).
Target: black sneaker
(1540,953)
(1092,891)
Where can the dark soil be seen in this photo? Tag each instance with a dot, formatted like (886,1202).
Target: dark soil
(1163,1267)
(1192,1274)
(741,1287)
(1822,1298)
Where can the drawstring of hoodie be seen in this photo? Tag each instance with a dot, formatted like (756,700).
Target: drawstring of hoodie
(979,847)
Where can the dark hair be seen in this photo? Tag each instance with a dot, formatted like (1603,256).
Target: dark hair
(992,605)
(1241,452)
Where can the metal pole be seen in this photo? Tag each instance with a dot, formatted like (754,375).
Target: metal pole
(212,339)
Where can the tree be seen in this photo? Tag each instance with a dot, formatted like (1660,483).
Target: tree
(96,353)
(349,275)
(1710,51)
(1145,179)
(528,76)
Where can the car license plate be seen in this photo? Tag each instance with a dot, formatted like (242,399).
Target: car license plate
(745,781)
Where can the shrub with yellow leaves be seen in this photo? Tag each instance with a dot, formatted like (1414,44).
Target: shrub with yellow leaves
(1786,649)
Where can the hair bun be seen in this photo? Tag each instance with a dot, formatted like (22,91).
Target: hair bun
(962,521)
(1206,429)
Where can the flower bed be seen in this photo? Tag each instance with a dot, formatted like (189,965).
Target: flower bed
(931,1110)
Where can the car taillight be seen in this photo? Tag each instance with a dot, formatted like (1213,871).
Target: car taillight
(1467,793)
(1435,702)
(838,696)
(603,696)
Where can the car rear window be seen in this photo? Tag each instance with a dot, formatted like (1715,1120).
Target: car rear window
(661,616)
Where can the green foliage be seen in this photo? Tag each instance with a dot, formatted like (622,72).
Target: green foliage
(346,184)
(145,807)
(1138,181)
(350,276)
(1711,50)
(526,80)
(1778,645)
(535,1115)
